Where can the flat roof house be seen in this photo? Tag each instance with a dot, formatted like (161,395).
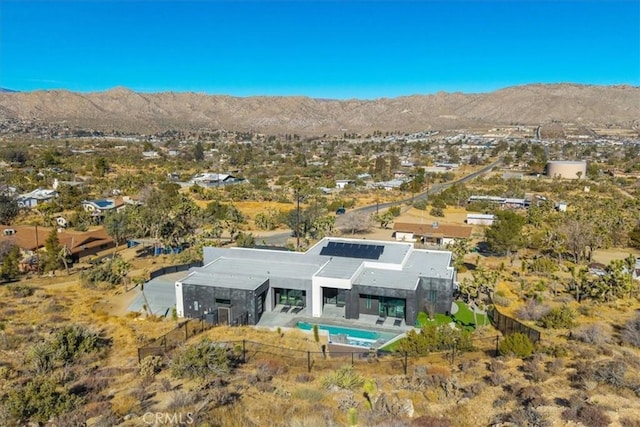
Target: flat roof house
(389,279)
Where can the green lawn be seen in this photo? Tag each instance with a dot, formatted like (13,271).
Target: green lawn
(465,317)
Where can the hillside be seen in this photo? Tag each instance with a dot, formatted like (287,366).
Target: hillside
(125,110)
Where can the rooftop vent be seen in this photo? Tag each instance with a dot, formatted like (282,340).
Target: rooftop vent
(9,232)
(435,225)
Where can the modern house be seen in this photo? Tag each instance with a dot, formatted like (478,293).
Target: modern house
(387,279)
(342,183)
(433,233)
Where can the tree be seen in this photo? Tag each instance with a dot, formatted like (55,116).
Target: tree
(8,209)
(634,237)
(354,222)
(245,240)
(198,152)
(51,260)
(101,166)
(10,269)
(384,218)
(116,225)
(505,235)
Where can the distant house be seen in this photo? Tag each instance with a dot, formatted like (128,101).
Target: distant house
(34,198)
(341,183)
(150,154)
(388,185)
(434,233)
(480,219)
(210,179)
(102,207)
(30,239)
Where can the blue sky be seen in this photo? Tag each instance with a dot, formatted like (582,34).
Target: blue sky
(323,49)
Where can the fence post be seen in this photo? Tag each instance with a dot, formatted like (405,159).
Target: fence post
(406,362)
(186,330)
(453,353)
(244,352)
(139,359)
(497,345)
(309,361)
(352,358)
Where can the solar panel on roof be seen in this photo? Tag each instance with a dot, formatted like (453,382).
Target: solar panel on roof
(352,250)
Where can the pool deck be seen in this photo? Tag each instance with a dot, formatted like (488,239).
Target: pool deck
(333,316)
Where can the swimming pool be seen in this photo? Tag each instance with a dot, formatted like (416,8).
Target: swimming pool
(355,337)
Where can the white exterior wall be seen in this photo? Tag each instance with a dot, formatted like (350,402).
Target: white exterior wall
(317,283)
(404,236)
(179,300)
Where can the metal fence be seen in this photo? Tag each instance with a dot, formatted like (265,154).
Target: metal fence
(325,357)
(508,326)
(173,269)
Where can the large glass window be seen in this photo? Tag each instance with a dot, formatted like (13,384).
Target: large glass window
(295,297)
(392,307)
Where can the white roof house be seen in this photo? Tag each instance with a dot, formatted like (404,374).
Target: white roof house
(29,200)
(373,277)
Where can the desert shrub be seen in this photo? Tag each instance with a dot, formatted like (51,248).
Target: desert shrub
(534,371)
(555,350)
(394,210)
(101,273)
(200,360)
(420,205)
(182,399)
(310,394)
(20,290)
(501,300)
(344,378)
(41,357)
(589,415)
(516,344)
(39,400)
(531,396)
(495,365)
(611,373)
(495,379)
(268,368)
(532,310)
(555,366)
(73,341)
(472,390)
(304,378)
(436,212)
(435,338)
(559,317)
(629,422)
(431,421)
(631,332)
(523,417)
(595,333)
(150,366)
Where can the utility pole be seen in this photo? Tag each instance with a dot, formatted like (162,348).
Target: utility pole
(298,219)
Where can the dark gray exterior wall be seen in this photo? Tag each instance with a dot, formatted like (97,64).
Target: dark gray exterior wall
(352,308)
(242,301)
(444,294)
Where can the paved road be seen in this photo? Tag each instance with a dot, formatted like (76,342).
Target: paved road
(280,239)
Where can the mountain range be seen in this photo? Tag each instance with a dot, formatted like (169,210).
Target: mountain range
(125,110)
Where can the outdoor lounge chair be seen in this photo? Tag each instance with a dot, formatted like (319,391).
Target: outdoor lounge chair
(285,309)
(298,308)
(397,322)
(381,320)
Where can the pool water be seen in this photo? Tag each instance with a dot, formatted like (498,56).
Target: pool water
(356,337)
